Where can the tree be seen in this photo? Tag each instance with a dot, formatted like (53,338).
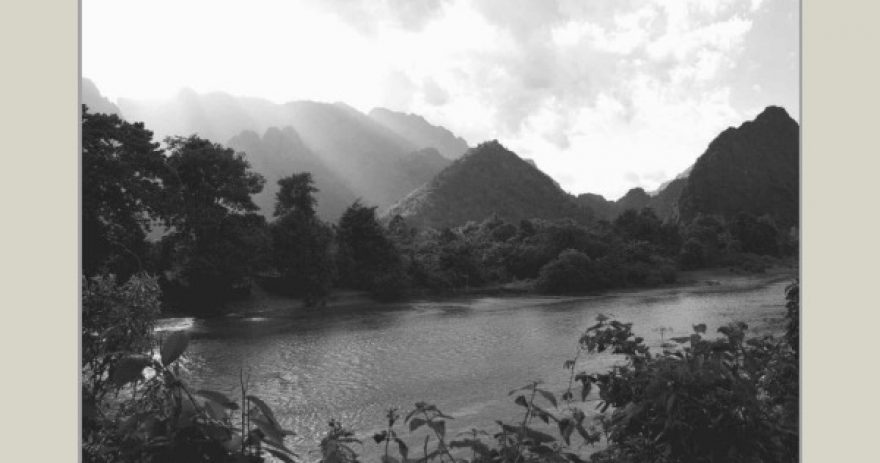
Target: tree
(217,241)
(301,242)
(368,259)
(296,194)
(756,235)
(210,183)
(570,272)
(123,172)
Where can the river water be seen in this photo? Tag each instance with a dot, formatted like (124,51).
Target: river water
(463,355)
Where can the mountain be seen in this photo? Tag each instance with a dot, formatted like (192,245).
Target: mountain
(420,132)
(281,152)
(488,179)
(753,168)
(636,198)
(665,200)
(96,102)
(603,209)
(349,148)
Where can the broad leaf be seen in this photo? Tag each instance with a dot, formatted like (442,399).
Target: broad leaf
(439,427)
(264,410)
(218,398)
(549,396)
(174,346)
(416,423)
(404,450)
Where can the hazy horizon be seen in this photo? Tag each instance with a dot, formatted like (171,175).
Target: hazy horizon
(603,98)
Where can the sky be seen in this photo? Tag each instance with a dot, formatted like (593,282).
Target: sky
(603,95)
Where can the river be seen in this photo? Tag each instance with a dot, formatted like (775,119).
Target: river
(462,354)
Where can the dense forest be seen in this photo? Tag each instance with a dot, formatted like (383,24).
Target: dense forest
(185,211)
(174,226)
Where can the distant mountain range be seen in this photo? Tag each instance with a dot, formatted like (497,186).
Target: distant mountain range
(404,165)
(96,102)
(350,154)
(416,129)
(487,180)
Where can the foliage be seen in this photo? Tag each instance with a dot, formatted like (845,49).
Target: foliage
(217,241)
(122,175)
(571,271)
(301,243)
(712,400)
(162,420)
(296,195)
(116,317)
(368,259)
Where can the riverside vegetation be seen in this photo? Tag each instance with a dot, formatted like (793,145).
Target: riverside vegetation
(186,213)
(697,399)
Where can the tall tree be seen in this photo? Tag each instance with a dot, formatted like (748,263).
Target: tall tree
(296,195)
(301,242)
(123,171)
(368,259)
(218,240)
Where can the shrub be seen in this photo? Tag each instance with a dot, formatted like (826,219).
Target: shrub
(570,272)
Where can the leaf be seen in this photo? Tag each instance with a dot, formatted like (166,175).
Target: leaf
(214,410)
(402,448)
(439,427)
(549,396)
(585,389)
(128,369)
(522,388)
(380,436)
(271,431)
(280,455)
(218,398)
(187,414)
(174,346)
(521,400)
(264,409)
(566,427)
(416,423)
(701,328)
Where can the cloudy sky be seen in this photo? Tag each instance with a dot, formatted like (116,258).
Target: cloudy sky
(603,95)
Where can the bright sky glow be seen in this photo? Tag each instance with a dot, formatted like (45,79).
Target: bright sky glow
(603,95)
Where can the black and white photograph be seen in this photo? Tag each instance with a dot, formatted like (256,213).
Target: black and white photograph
(440,231)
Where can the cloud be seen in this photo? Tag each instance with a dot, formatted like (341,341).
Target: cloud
(433,93)
(590,90)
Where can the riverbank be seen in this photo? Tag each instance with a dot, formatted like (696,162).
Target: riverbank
(264,304)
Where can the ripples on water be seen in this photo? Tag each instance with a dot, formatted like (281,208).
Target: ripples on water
(463,355)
